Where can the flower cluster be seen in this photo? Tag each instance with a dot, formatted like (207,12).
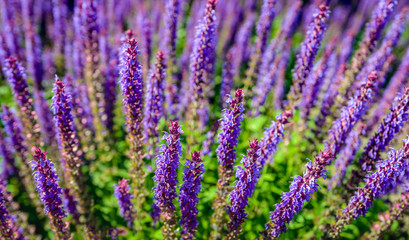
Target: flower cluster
(124,201)
(243,189)
(50,192)
(188,197)
(8,226)
(376,185)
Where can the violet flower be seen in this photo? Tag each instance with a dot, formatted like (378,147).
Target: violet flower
(395,85)
(263,27)
(302,188)
(171,21)
(16,77)
(122,193)
(50,192)
(188,197)
(167,165)
(9,228)
(60,10)
(67,135)
(228,74)
(372,32)
(202,61)
(70,204)
(131,84)
(315,80)
(376,185)
(272,137)
(243,189)
(90,32)
(9,167)
(154,99)
(308,51)
(226,154)
(155,214)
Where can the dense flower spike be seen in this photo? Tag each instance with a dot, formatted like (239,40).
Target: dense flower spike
(376,185)
(390,126)
(8,165)
(264,24)
(50,192)
(188,198)
(131,84)
(243,189)
(16,77)
(167,164)
(387,219)
(70,204)
(272,137)
(154,99)
(372,32)
(302,188)
(67,136)
(90,31)
(226,154)
(122,193)
(8,226)
(308,51)
(202,61)
(227,76)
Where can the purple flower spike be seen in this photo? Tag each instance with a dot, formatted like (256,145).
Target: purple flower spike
(264,24)
(372,32)
(172,15)
(122,193)
(155,214)
(302,188)
(154,99)
(308,51)
(376,185)
(9,229)
(228,75)
(243,189)
(16,77)
(167,165)
(188,198)
(131,84)
(67,136)
(390,126)
(202,61)
(230,126)
(272,137)
(50,193)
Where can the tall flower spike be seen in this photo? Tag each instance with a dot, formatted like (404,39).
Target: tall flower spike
(202,61)
(272,137)
(67,136)
(226,154)
(243,189)
(372,32)
(390,126)
(188,198)
(154,100)
(396,211)
(228,74)
(376,185)
(264,24)
(90,32)
(8,226)
(131,84)
(16,77)
(302,188)
(9,167)
(72,156)
(308,51)
(50,193)
(122,193)
(167,165)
